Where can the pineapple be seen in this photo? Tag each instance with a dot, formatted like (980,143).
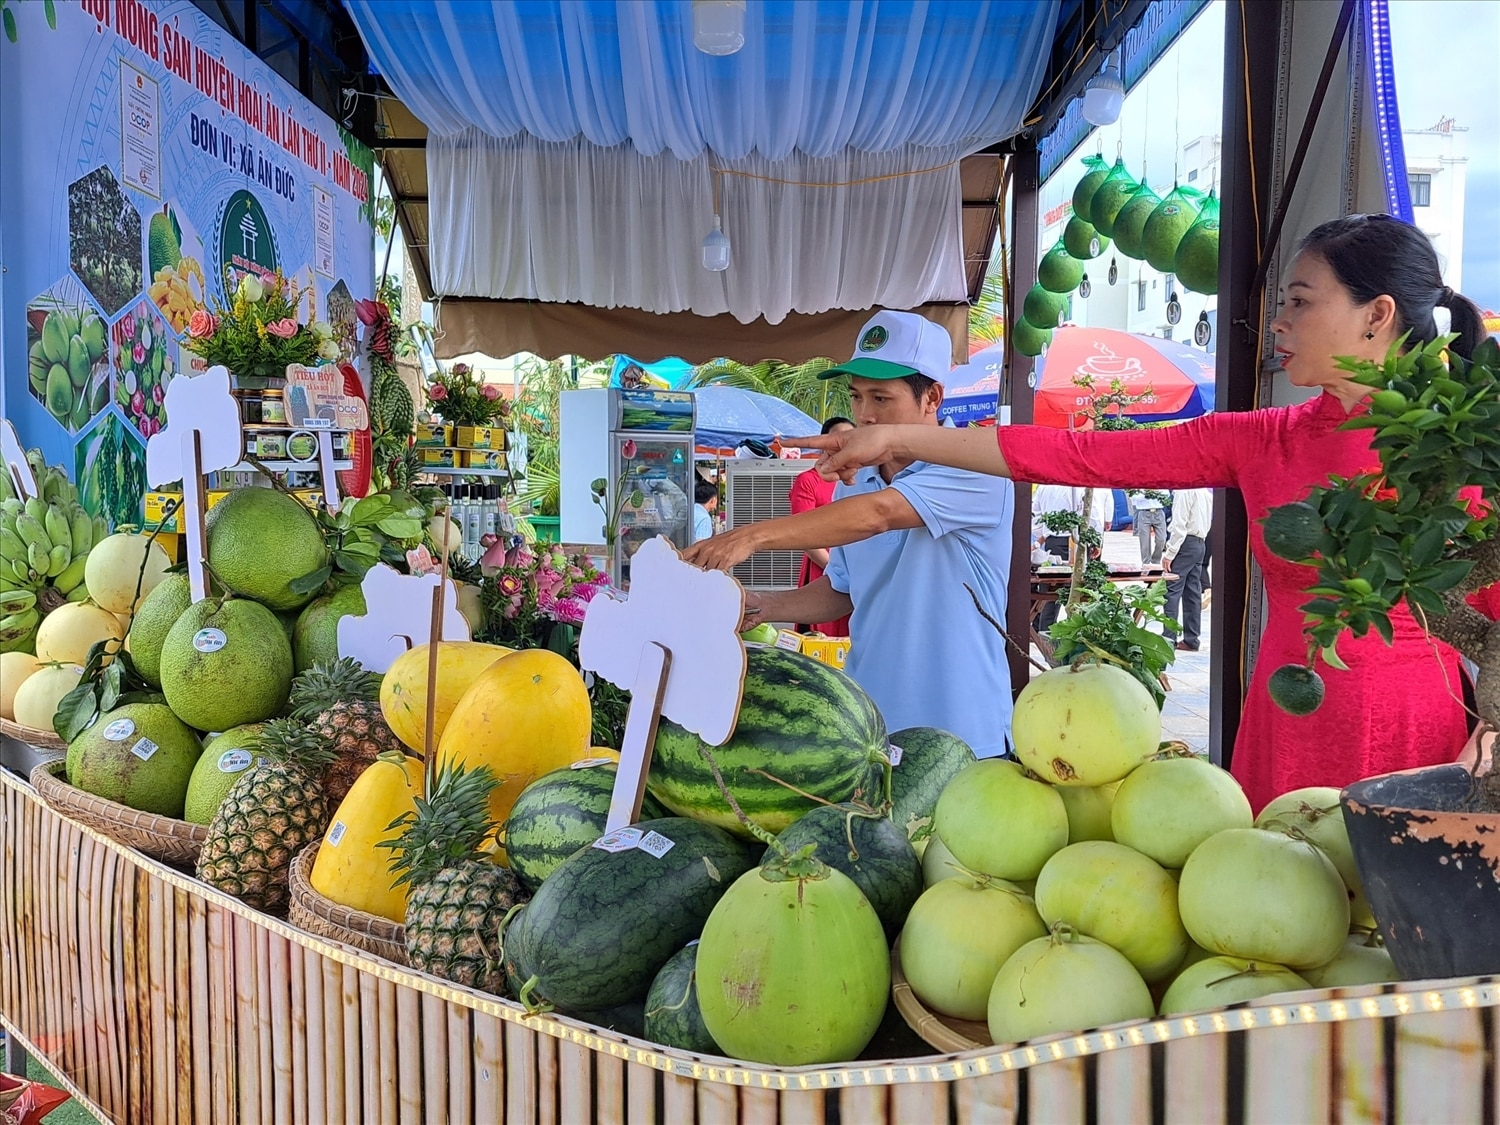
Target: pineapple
(340,702)
(459,895)
(271,813)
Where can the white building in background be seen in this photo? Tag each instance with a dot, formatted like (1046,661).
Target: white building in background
(1437,168)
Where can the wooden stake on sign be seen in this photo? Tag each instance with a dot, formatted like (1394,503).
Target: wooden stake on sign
(675,644)
(194,513)
(429,751)
(22,479)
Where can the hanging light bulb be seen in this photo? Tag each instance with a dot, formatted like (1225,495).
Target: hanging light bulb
(1104,96)
(716,249)
(718,26)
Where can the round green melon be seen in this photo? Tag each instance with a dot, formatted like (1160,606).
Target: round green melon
(1059,271)
(673,1017)
(929,758)
(1082,240)
(559,813)
(1045,308)
(869,849)
(801,722)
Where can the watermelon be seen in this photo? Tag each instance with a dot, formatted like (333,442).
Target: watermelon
(801,721)
(626,1019)
(605,922)
(929,759)
(868,848)
(672,1015)
(559,813)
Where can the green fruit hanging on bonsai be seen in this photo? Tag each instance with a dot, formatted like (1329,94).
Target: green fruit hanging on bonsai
(1293,531)
(1296,690)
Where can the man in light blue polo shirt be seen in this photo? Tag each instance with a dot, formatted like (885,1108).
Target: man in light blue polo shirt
(906,539)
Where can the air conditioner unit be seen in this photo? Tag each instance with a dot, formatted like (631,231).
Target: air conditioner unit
(757,490)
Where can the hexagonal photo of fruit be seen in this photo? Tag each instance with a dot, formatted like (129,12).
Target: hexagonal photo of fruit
(146,358)
(104,239)
(109,466)
(67,357)
(174,263)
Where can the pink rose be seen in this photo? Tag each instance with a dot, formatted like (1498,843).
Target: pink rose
(202,323)
(460,369)
(286,328)
(490,391)
(437,392)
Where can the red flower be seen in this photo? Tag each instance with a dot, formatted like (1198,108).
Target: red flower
(437,392)
(368,312)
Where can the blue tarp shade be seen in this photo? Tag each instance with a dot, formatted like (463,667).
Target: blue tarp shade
(730,415)
(972,393)
(668,374)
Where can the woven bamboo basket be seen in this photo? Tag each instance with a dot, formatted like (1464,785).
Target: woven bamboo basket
(160,837)
(320,915)
(946,1033)
(41,739)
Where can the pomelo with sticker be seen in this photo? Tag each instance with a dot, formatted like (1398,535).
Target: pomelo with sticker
(235,761)
(119,730)
(144,748)
(209,640)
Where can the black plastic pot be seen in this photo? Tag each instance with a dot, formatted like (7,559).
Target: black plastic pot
(1432,872)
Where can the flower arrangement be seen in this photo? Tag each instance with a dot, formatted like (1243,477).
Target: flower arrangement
(257,333)
(536,596)
(462,398)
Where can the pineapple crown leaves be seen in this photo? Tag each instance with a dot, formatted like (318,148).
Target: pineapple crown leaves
(449,827)
(318,688)
(292,743)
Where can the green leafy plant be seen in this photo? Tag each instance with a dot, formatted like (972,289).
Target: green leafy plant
(1420,529)
(382,527)
(257,333)
(1109,622)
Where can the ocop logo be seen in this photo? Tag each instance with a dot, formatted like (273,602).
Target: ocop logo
(874,339)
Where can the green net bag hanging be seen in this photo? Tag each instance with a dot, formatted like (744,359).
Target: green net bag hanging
(1112,195)
(1044,308)
(1082,240)
(1083,192)
(1166,227)
(1130,223)
(1059,271)
(1197,260)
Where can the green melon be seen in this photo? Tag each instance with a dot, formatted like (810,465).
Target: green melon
(1083,192)
(1082,240)
(605,922)
(1112,195)
(673,1017)
(1028,338)
(1045,308)
(1130,223)
(868,848)
(1059,271)
(929,759)
(559,813)
(801,721)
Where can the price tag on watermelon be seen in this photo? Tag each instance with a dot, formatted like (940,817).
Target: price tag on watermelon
(656,844)
(893,753)
(620,840)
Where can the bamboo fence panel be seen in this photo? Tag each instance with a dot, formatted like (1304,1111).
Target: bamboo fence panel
(157,999)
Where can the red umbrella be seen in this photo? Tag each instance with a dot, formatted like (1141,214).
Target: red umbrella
(1177,379)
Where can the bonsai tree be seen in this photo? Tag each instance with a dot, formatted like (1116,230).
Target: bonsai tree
(1420,529)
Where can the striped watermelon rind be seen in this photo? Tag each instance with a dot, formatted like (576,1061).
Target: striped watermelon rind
(600,928)
(673,1018)
(930,758)
(559,813)
(870,849)
(801,721)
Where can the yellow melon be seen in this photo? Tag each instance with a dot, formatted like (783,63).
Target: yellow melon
(15,669)
(352,868)
(403,690)
(525,715)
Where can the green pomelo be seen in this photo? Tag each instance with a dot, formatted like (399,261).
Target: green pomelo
(1166,808)
(1164,231)
(158,612)
(225,759)
(1029,339)
(1112,195)
(1130,223)
(140,755)
(1083,192)
(225,664)
(1059,271)
(1197,261)
(1296,689)
(1043,307)
(1218,982)
(992,793)
(1082,241)
(1293,531)
(315,639)
(260,541)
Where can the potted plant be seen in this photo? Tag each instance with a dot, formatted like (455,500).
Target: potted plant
(1420,529)
(256,334)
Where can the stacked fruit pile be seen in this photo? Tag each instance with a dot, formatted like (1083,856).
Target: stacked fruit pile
(44,545)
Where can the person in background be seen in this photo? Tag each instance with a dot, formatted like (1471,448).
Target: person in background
(1185,555)
(705,503)
(1358,287)
(1065,498)
(811,491)
(1147,508)
(910,541)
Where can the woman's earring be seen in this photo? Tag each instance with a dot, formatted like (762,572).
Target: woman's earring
(1369,335)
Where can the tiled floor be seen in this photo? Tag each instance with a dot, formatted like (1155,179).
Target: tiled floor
(1185,715)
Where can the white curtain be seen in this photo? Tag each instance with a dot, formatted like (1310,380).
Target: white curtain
(610,227)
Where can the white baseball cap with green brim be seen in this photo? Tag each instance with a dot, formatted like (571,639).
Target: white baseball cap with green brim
(893,345)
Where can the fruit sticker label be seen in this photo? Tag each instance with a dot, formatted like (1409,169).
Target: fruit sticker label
(119,730)
(621,840)
(209,640)
(590,763)
(144,749)
(234,761)
(656,844)
(336,833)
(894,753)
